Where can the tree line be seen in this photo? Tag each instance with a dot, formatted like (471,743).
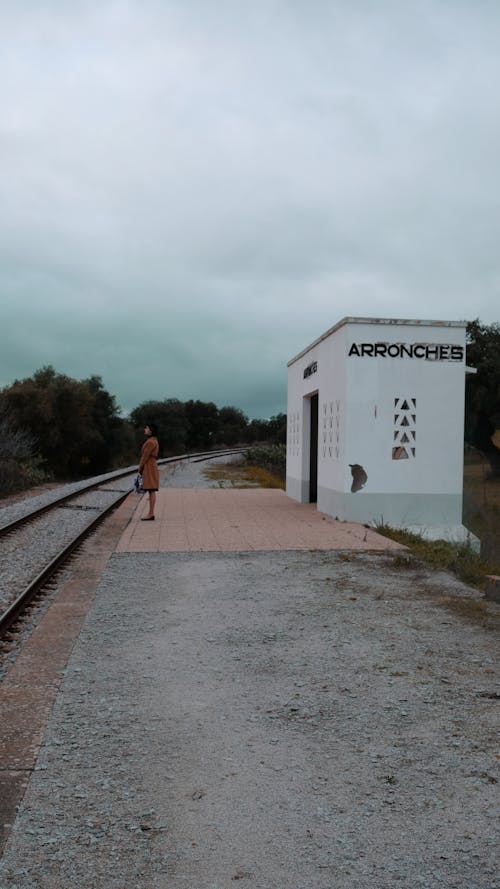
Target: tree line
(482,392)
(55,427)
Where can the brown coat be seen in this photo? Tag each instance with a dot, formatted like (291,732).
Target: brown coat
(148,466)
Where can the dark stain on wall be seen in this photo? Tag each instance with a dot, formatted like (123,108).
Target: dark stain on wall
(359,477)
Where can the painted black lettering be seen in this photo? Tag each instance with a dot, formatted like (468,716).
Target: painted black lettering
(429,351)
(310,369)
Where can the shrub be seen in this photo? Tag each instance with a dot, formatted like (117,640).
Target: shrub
(269,457)
(20,464)
(457,558)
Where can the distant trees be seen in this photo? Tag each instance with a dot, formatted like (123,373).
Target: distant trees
(482,415)
(20,463)
(55,426)
(203,424)
(272,431)
(277,429)
(75,424)
(169,417)
(200,425)
(234,426)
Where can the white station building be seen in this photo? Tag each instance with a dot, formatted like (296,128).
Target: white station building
(376,424)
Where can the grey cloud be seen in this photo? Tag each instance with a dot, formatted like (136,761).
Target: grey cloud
(192,192)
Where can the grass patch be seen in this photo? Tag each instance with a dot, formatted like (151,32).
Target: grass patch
(441,555)
(270,457)
(402,561)
(469,608)
(241,475)
(481,512)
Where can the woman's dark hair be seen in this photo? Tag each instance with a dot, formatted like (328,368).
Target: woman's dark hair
(154,430)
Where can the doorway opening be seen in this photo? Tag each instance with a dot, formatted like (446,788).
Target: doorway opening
(313,453)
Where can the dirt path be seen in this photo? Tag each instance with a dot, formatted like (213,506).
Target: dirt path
(289,720)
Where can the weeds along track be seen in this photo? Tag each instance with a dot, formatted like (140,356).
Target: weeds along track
(38,535)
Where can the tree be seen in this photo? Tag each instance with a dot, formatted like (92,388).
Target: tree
(258,431)
(20,463)
(482,413)
(277,429)
(272,431)
(75,423)
(203,424)
(233,426)
(169,417)
(108,436)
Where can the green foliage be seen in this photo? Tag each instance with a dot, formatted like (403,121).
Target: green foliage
(481,505)
(20,464)
(169,417)
(75,423)
(270,457)
(458,559)
(277,429)
(202,424)
(272,430)
(233,426)
(75,429)
(199,425)
(482,415)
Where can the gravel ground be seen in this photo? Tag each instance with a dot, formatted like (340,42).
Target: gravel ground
(192,475)
(27,550)
(310,720)
(18,507)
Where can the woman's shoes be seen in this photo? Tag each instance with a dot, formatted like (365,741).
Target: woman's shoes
(150,518)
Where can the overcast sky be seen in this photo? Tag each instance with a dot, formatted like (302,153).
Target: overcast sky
(191,191)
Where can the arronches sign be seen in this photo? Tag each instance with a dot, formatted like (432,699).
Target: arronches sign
(426,351)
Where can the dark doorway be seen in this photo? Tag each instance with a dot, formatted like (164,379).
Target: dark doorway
(313,454)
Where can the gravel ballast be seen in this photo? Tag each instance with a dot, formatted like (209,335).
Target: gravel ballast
(309,720)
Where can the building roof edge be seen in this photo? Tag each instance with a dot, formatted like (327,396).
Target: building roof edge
(392,321)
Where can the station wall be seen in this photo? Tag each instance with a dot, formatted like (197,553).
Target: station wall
(390,401)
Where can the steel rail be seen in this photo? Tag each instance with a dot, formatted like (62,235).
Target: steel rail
(12,612)
(8,617)
(120,473)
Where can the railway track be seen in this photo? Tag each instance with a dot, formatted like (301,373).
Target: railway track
(38,538)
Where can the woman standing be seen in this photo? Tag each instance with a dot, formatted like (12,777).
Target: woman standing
(148,468)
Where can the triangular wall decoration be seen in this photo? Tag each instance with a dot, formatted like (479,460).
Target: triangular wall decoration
(404,420)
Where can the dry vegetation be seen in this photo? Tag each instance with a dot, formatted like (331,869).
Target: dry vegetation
(481,512)
(240,475)
(481,515)
(458,559)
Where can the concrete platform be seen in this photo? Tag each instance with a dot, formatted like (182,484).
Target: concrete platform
(241,520)
(290,719)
